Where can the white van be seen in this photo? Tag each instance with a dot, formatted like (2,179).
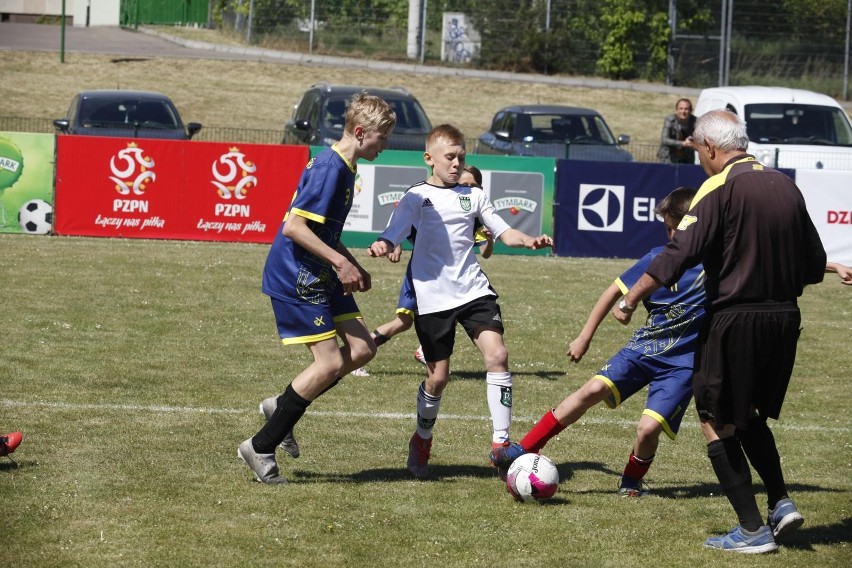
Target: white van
(787,128)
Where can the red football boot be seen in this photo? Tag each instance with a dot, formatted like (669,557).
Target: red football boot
(9,443)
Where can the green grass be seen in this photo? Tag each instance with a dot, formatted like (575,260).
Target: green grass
(134,368)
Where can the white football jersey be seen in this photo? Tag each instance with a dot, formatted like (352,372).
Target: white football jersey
(444,267)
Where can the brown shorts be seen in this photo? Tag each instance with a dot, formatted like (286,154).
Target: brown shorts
(744,361)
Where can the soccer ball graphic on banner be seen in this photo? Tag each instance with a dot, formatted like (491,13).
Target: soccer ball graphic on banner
(532,477)
(36,217)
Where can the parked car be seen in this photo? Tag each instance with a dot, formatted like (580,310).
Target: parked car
(787,128)
(318,118)
(136,114)
(554,131)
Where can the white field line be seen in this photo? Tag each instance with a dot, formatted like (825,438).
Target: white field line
(782,425)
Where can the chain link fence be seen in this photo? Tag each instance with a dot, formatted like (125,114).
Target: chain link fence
(802,44)
(640,152)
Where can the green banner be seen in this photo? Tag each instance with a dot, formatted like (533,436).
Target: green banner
(26,182)
(521,189)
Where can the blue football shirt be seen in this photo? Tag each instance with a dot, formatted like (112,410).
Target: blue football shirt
(674,317)
(324,197)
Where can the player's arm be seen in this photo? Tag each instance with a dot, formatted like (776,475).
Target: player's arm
(643,288)
(399,226)
(515,238)
(296,229)
(486,247)
(843,271)
(578,347)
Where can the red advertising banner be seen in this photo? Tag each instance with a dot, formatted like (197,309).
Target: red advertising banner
(168,189)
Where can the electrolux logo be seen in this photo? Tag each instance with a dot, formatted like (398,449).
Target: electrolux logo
(601,208)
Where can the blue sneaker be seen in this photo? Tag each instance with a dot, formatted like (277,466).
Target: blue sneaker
(784,518)
(631,488)
(746,542)
(503,456)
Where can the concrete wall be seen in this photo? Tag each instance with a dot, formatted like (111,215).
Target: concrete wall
(78,12)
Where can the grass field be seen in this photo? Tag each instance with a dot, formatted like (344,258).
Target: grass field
(134,368)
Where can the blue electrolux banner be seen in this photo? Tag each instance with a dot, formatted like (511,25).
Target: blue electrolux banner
(605,209)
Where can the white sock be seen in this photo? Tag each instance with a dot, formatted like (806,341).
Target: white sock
(499,394)
(427,412)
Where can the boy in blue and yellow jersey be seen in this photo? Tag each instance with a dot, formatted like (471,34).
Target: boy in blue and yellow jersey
(311,276)
(659,355)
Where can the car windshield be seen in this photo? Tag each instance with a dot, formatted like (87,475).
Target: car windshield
(797,124)
(410,117)
(117,113)
(561,128)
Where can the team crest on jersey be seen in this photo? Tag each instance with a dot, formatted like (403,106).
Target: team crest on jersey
(310,164)
(686,221)
(464,200)
(348,195)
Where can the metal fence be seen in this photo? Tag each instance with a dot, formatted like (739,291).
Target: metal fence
(640,152)
(678,41)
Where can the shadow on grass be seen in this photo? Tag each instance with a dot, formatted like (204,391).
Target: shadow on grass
(437,473)
(9,464)
(712,489)
(469,375)
(806,537)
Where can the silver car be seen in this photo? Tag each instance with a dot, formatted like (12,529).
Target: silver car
(553,131)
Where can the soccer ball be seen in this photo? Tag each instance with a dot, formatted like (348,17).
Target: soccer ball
(532,477)
(36,217)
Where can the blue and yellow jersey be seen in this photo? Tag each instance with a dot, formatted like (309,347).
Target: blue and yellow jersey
(324,198)
(674,317)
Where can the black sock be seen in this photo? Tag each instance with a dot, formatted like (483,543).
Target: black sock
(289,410)
(329,387)
(379,338)
(731,467)
(761,451)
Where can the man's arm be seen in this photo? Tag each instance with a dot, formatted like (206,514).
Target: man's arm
(841,270)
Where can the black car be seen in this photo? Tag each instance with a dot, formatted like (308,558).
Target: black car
(318,119)
(136,114)
(553,131)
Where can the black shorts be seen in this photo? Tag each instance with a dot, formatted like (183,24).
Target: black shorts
(437,331)
(744,361)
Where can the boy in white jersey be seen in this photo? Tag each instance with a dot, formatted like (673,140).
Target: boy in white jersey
(450,285)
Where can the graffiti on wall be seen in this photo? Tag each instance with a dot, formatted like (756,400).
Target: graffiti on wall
(461,42)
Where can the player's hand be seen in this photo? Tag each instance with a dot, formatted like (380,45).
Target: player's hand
(845,274)
(621,316)
(366,280)
(541,241)
(577,348)
(395,254)
(351,277)
(379,248)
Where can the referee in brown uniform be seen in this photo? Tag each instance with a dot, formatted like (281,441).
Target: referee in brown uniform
(749,226)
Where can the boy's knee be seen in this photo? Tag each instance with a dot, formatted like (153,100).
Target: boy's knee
(648,431)
(363,353)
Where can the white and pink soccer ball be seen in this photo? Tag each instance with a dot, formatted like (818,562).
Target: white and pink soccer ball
(532,477)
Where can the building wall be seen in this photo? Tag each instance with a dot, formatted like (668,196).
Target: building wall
(78,12)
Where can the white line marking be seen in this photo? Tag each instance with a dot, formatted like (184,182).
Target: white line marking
(156,408)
